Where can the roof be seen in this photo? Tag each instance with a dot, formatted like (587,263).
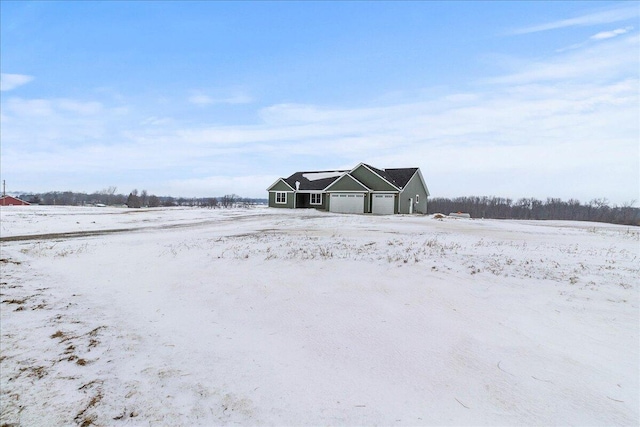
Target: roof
(319,180)
(10,200)
(314,180)
(401,176)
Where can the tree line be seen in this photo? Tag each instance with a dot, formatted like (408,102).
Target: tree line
(135,199)
(597,210)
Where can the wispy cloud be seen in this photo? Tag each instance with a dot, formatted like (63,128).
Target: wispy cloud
(618,14)
(83,108)
(11,81)
(569,119)
(610,34)
(600,61)
(202,99)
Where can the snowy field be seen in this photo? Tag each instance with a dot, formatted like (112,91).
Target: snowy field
(274,317)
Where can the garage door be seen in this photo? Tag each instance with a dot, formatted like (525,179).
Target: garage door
(383,204)
(347,203)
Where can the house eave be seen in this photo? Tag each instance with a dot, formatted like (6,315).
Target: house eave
(377,174)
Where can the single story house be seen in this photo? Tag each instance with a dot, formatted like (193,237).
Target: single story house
(363,189)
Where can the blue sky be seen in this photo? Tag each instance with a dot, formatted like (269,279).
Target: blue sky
(513,99)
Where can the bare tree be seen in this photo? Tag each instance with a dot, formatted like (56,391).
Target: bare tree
(154,201)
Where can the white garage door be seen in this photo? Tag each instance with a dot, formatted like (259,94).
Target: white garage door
(347,203)
(383,204)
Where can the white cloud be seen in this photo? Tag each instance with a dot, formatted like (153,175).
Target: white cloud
(237,99)
(83,108)
(610,34)
(597,62)
(202,99)
(156,121)
(30,107)
(617,14)
(563,127)
(12,81)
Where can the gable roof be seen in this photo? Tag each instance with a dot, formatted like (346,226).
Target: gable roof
(401,176)
(398,177)
(378,172)
(347,176)
(276,183)
(7,200)
(321,180)
(313,180)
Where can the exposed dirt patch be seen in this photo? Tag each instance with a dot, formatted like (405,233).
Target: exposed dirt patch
(68,235)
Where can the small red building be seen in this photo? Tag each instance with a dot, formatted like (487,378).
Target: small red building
(12,201)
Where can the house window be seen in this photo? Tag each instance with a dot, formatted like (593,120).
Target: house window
(417,199)
(316,199)
(281,197)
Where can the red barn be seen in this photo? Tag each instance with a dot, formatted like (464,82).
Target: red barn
(12,201)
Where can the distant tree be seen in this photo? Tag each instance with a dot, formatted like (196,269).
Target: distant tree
(154,201)
(144,198)
(531,208)
(111,191)
(228,200)
(168,201)
(133,201)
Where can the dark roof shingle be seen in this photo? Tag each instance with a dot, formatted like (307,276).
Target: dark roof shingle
(401,176)
(315,184)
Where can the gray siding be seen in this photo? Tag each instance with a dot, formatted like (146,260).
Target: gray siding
(346,183)
(273,204)
(371,179)
(280,185)
(413,187)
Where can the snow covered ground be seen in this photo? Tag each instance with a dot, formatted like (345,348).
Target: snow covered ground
(276,317)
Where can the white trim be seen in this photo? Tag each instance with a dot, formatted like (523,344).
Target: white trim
(348,191)
(279,179)
(426,189)
(377,174)
(424,185)
(285,197)
(316,203)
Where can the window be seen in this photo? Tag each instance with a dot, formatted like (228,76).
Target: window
(281,197)
(417,199)
(316,199)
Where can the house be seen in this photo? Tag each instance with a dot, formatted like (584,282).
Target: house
(363,189)
(12,201)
